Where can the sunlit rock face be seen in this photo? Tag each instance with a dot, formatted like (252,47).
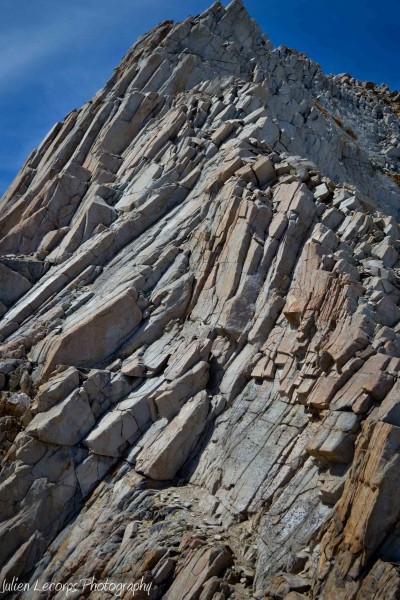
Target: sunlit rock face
(200,333)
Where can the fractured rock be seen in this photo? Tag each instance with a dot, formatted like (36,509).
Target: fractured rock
(200,328)
(170,450)
(64,424)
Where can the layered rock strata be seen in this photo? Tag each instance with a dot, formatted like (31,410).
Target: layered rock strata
(200,332)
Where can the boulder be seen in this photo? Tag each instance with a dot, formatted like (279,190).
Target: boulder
(171,449)
(98,335)
(66,423)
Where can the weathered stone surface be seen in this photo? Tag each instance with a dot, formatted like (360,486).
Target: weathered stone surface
(335,439)
(367,511)
(13,285)
(120,427)
(198,570)
(167,454)
(264,171)
(133,368)
(98,335)
(200,329)
(56,389)
(64,424)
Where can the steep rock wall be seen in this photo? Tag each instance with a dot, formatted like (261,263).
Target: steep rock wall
(200,328)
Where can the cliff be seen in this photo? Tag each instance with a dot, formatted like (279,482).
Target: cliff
(200,332)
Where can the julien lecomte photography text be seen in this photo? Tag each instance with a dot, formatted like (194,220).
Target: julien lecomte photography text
(84,584)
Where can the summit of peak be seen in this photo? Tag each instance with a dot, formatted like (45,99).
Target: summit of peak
(236,4)
(218,7)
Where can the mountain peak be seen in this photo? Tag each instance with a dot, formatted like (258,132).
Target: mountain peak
(235,5)
(199,326)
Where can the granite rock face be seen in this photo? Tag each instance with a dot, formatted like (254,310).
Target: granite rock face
(200,329)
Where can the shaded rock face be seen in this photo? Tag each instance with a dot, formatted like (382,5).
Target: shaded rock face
(200,333)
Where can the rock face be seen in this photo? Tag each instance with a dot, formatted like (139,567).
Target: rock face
(200,335)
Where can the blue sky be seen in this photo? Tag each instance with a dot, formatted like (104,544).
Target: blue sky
(55,54)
